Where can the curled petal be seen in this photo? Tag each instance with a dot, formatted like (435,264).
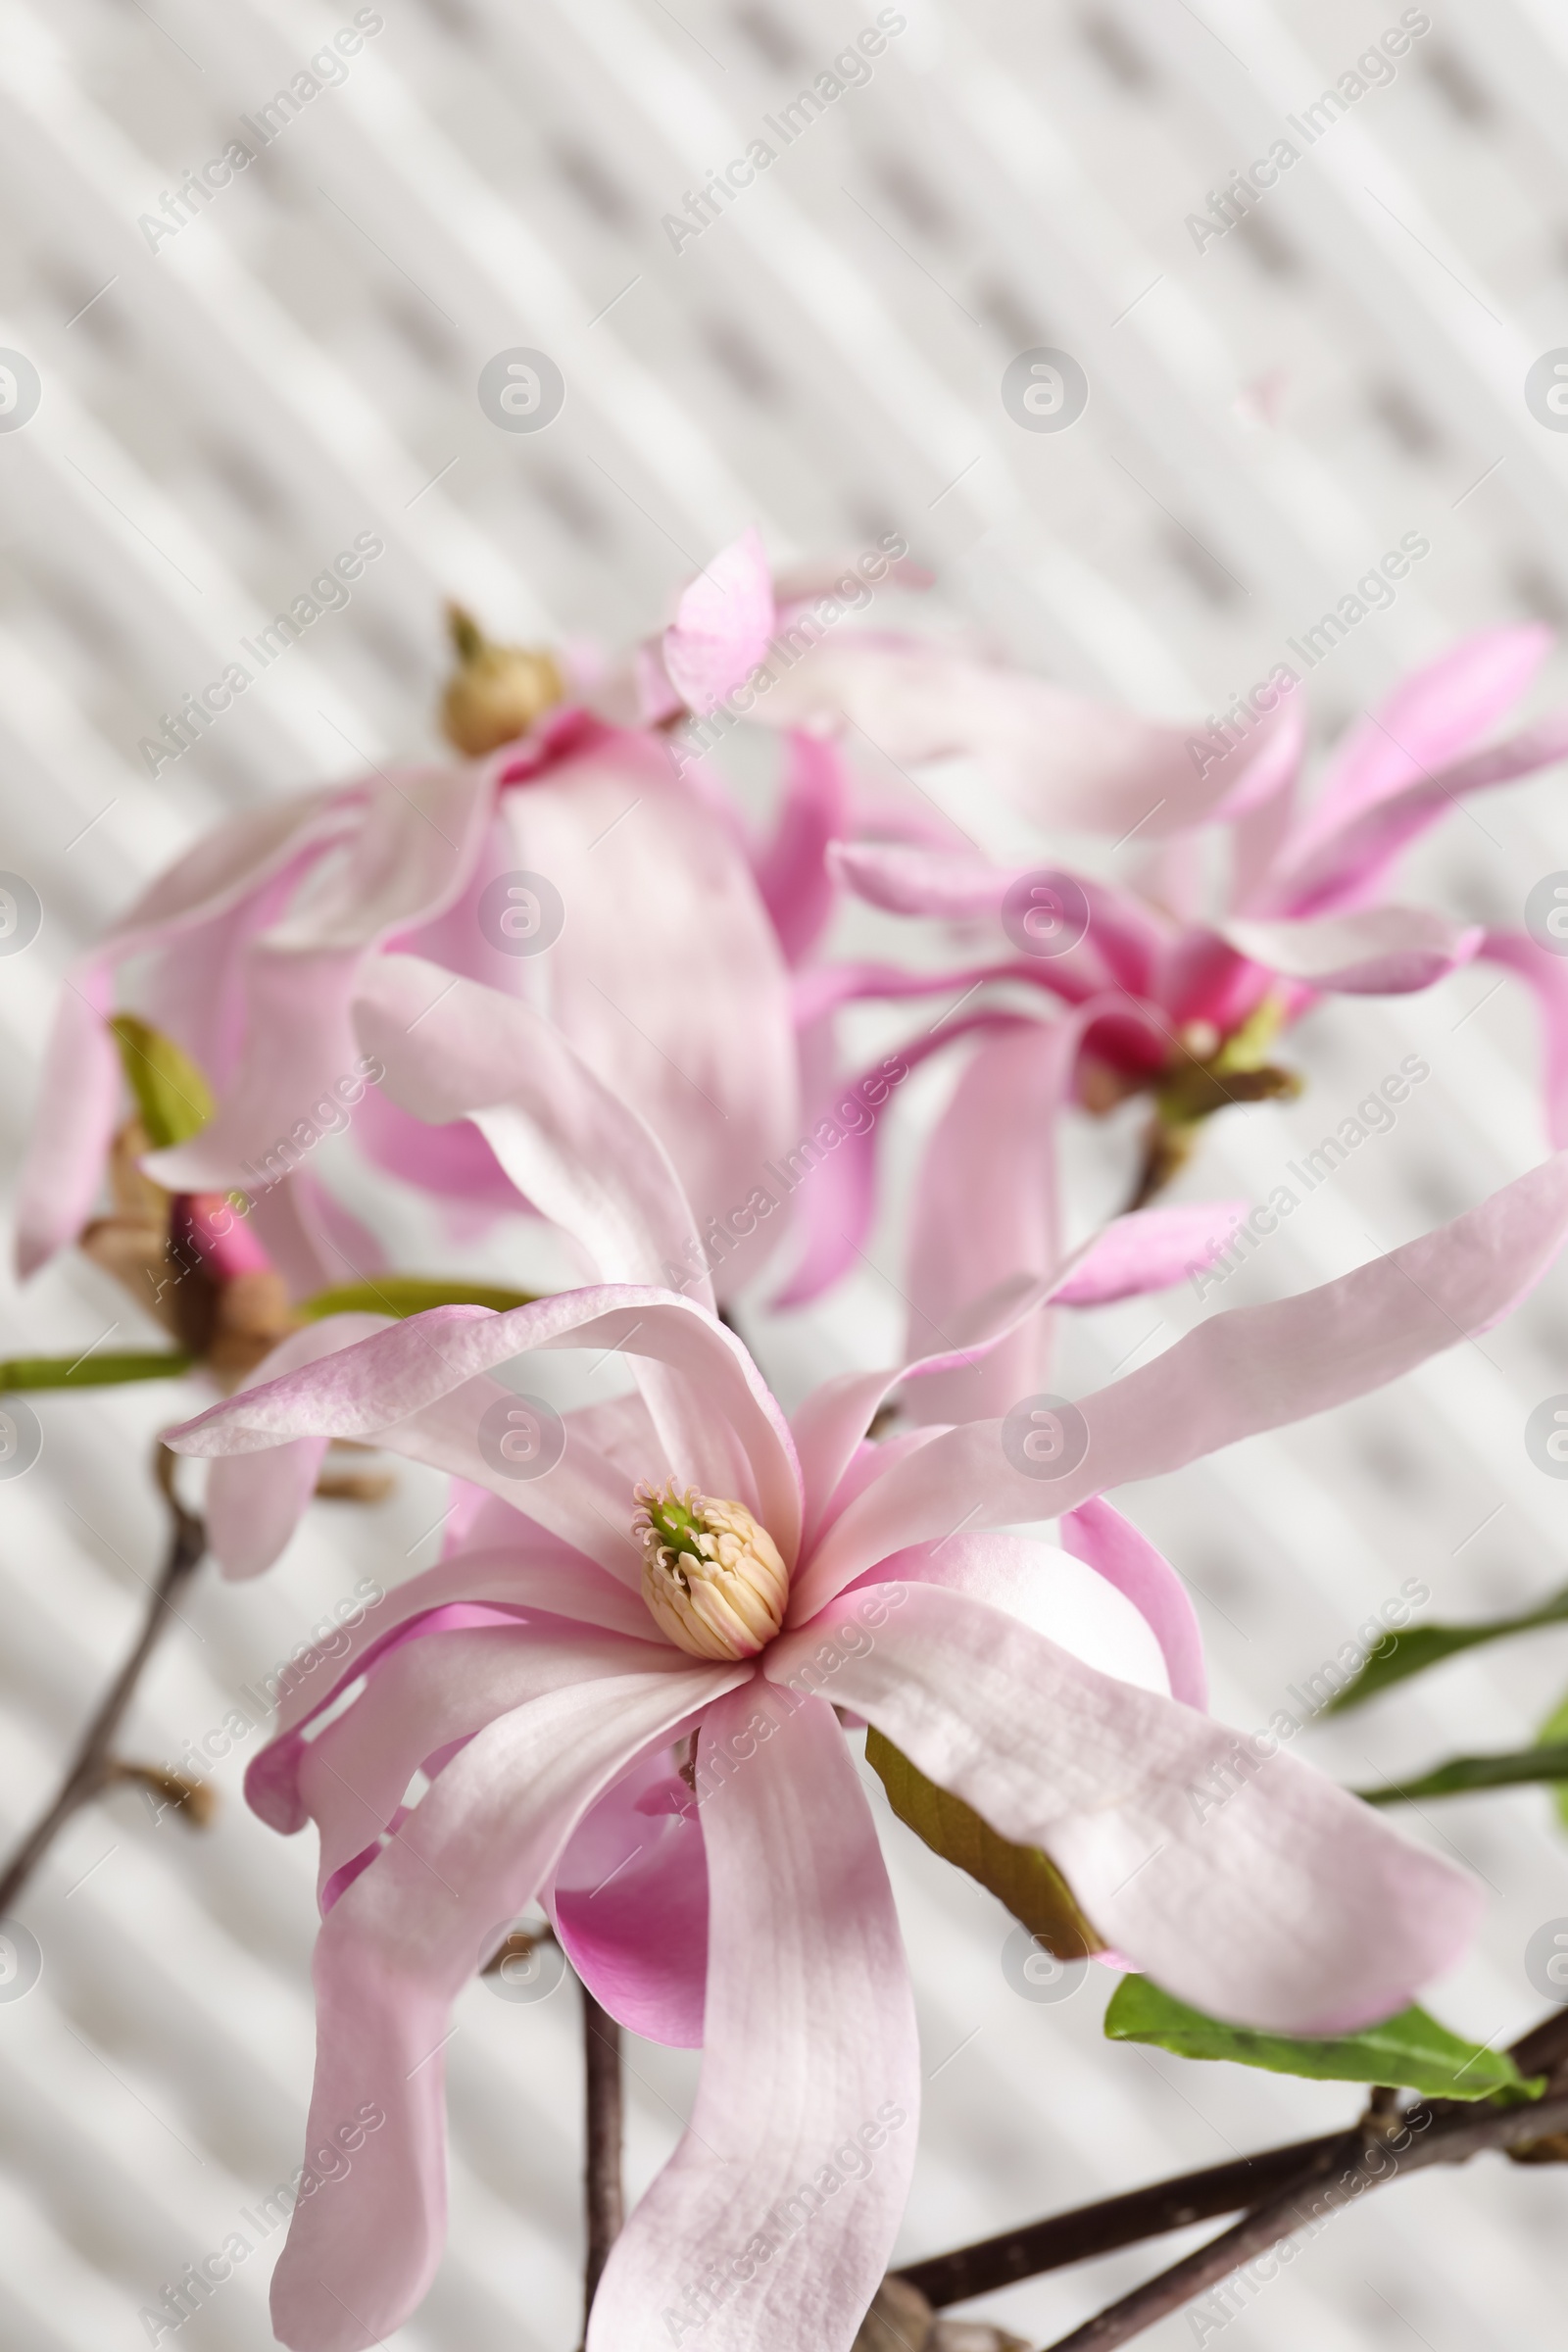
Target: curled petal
(455,1050)
(1284,1904)
(1381,952)
(1429,720)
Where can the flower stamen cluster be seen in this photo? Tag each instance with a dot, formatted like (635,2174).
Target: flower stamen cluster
(713,1577)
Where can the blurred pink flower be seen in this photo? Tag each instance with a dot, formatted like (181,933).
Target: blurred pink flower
(1160,995)
(518,1720)
(664,974)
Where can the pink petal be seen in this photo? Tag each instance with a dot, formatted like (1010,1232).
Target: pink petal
(832,1217)
(1430,718)
(391,1958)
(193,913)
(376,1387)
(314,1242)
(534,1578)
(791,873)
(1251,1369)
(1122,941)
(1287,1905)
(830,1424)
(906,880)
(1148,1251)
(453,1050)
(1123,1554)
(1382,952)
(1063,761)
(1261,830)
(409,856)
(1349,867)
(256,1500)
(426,1694)
(723,624)
(1057,1592)
(74,1124)
(1547,976)
(667,977)
(631,1904)
(985,1206)
(787,2188)
(300,1044)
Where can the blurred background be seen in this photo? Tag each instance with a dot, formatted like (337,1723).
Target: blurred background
(214,398)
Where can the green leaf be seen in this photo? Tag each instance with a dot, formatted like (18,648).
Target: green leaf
(1021,1877)
(1554,1732)
(175,1099)
(410,1294)
(1419,1646)
(1464,1773)
(1411,2051)
(89,1371)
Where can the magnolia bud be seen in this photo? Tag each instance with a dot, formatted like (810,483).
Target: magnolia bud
(498,692)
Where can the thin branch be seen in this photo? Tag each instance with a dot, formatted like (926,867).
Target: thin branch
(1089,2230)
(604,2103)
(1100,2229)
(1437,2133)
(93,1768)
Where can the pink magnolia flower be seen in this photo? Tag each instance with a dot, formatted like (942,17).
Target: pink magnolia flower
(616,1694)
(457,1050)
(1162,997)
(664,974)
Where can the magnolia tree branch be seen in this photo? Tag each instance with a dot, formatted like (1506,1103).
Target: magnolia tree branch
(1325,2173)
(1428,2133)
(604,2096)
(93,1768)
(1100,2229)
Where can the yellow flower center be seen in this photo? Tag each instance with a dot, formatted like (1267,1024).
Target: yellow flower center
(713,1577)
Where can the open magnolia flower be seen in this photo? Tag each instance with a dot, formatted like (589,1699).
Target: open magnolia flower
(583,859)
(1164,999)
(579,867)
(617,1694)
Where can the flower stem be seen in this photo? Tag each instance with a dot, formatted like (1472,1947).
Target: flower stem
(603,2094)
(92,1767)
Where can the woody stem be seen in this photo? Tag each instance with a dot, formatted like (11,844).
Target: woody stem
(90,1768)
(605,2105)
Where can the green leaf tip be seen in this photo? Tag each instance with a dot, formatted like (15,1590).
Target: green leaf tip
(1410,2050)
(1414,1649)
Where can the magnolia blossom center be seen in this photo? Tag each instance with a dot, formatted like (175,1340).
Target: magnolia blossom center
(713,1577)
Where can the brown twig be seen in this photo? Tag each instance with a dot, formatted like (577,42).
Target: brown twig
(93,1768)
(604,2101)
(1268,2182)
(1435,2134)
(1124,2220)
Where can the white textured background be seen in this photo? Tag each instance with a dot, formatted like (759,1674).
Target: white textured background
(299,364)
